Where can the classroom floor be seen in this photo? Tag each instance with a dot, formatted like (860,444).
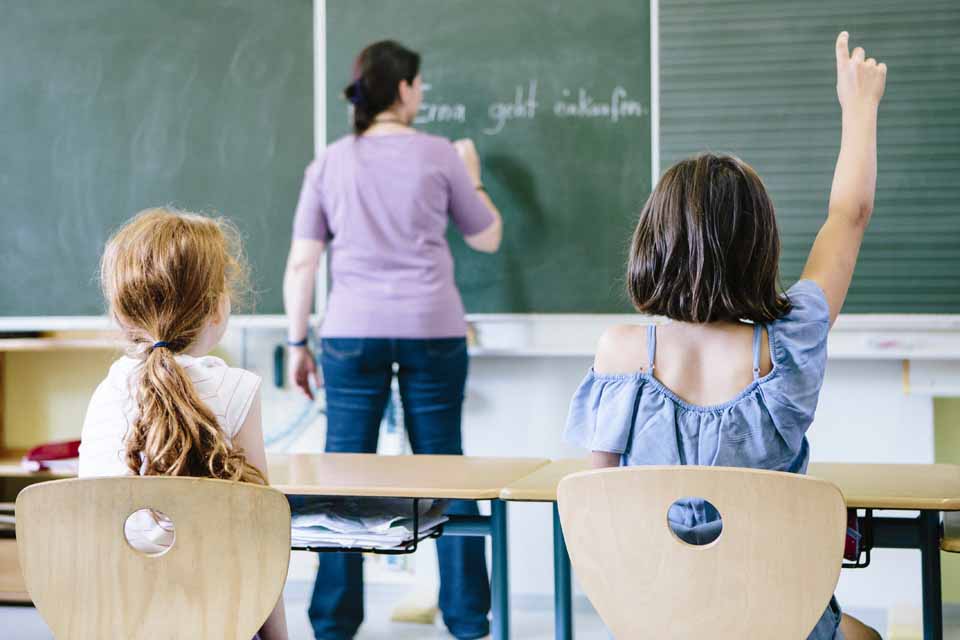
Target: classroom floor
(528,623)
(531,622)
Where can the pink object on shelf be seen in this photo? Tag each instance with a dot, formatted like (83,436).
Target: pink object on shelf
(53,456)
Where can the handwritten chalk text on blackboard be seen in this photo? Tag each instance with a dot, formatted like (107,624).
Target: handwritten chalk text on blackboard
(440,112)
(521,108)
(586,107)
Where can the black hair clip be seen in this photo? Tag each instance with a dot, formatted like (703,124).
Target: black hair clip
(355,92)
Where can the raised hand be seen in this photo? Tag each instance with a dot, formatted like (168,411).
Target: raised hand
(860,80)
(860,85)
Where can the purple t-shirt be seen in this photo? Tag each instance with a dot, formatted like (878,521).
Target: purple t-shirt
(382,203)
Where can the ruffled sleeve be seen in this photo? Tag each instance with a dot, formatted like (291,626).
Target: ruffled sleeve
(602,411)
(800,359)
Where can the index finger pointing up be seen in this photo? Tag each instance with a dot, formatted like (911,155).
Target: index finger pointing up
(843,51)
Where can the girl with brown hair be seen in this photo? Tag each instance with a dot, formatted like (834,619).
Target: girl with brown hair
(168,408)
(735,378)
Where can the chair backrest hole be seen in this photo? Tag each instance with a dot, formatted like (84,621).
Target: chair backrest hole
(149,532)
(694,521)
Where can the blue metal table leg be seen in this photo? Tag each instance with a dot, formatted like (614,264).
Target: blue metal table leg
(923,533)
(499,582)
(929,522)
(562,605)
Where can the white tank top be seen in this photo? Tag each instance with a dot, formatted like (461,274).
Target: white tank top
(227,391)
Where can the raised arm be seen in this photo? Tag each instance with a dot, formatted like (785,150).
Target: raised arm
(487,240)
(860,85)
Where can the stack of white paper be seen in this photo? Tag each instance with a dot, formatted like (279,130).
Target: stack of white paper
(375,523)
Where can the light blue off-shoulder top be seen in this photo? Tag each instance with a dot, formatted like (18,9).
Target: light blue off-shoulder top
(763,427)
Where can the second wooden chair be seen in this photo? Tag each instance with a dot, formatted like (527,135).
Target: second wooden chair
(770,573)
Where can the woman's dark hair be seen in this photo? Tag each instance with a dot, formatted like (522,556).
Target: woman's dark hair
(706,247)
(377,73)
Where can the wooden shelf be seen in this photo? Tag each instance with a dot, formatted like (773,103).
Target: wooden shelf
(103,340)
(10,468)
(59,344)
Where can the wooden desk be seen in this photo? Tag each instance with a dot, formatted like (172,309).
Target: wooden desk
(422,476)
(864,486)
(928,488)
(541,485)
(894,486)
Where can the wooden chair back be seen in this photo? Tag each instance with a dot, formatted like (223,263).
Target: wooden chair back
(770,573)
(221,577)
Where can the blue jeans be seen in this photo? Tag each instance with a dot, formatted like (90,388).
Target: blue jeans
(432,375)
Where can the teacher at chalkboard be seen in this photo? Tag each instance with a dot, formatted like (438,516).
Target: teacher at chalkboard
(380,200)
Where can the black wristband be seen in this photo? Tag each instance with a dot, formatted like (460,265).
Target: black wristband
(297,343)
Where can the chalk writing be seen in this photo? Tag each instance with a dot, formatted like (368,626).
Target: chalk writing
(586,107)
(572,104)
(521,108)
(440,112)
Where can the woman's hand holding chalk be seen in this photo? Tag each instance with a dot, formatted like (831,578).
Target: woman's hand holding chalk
(860,80)
(468,154)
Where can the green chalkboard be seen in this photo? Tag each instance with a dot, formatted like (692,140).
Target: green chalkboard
(756,78)
(110,106)
(569,173)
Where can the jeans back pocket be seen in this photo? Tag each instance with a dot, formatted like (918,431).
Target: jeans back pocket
(446,347)
(342,348)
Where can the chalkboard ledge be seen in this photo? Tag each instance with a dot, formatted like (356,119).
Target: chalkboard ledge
(870,337)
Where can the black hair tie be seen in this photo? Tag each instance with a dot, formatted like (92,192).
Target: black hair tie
(355,92)
(161,345)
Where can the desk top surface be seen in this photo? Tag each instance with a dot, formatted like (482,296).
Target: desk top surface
(421,476)
(541,485)
(877,486)
(894,486)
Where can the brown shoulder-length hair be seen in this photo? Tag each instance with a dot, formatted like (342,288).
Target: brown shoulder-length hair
(706,247)
(377,73)
(165,274)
